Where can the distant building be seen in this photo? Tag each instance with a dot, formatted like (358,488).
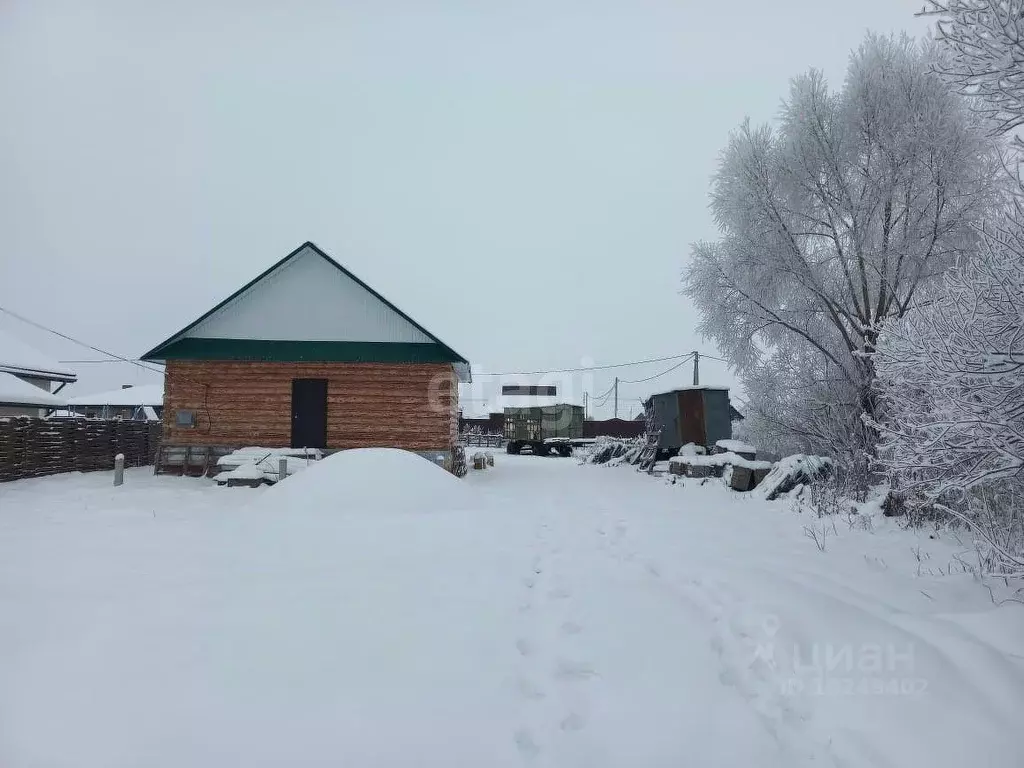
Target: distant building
(129,403)
(29,380)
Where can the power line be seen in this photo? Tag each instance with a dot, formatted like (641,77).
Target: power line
(118,358)
(585,368)
(42,327)
(680,364)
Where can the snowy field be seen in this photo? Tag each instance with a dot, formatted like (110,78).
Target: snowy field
(539,613)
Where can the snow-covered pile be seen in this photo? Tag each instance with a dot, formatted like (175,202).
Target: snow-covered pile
(791,472)
(692,449)
(720,460)
(372,479)
(612,451)
(254,463)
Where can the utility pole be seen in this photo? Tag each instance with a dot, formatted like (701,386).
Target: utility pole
(584,406)
(616,397)
(696,368)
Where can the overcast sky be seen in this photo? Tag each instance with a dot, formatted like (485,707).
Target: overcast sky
(523,178)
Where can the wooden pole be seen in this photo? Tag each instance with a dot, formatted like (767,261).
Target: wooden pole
(119,469)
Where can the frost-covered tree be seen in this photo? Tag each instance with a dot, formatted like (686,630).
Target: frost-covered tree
(983,42)
(831,223)
(951,371)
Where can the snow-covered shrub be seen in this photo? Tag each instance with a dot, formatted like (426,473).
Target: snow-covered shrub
(951,380)
(831,223)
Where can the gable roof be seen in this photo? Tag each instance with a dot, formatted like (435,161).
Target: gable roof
(236,329)
(19,358)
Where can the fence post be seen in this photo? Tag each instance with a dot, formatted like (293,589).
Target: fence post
(282,468)
(119,469)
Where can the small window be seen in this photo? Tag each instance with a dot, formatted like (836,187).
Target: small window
(184,418)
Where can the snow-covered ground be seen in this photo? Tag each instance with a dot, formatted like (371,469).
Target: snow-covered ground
(537,613)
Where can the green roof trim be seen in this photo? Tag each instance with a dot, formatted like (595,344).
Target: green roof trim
(288,351)
(308,351)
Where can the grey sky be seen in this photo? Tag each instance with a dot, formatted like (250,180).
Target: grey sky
(523,178)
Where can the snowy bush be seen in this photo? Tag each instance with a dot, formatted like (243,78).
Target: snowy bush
(984,46)
(831,223)
(951,379)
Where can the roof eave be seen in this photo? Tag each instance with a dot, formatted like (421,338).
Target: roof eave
(35,373)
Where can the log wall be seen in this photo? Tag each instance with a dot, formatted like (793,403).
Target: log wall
(398,405)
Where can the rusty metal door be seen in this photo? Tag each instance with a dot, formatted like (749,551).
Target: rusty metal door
(691,416)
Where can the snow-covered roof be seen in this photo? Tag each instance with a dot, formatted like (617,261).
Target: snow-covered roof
(19,358)
(145,394)
(14,391)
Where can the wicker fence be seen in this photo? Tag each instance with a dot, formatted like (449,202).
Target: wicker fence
(35,447)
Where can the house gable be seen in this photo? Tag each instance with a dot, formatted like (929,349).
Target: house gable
(306,308)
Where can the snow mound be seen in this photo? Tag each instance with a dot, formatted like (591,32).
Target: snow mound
(370,479)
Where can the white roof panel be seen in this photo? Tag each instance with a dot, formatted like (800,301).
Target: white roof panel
(14,391)
(307,298)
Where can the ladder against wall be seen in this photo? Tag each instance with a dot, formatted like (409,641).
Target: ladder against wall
(649,454)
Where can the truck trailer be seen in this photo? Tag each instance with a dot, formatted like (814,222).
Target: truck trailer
(543,429)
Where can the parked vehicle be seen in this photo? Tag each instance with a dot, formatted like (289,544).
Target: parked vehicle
(543,429)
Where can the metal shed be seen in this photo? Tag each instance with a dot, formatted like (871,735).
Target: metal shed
(698,415)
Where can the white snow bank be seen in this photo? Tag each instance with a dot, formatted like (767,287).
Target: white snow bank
(372,479)
(14,391)
(692,449)
(720,460)
(736,446)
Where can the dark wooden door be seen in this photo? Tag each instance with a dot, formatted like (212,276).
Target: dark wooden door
(691,417)
(309,413)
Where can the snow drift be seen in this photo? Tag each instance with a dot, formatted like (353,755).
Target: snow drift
(374,479)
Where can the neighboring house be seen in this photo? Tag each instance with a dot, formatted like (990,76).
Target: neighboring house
(130,403)
(29,380)
(308,355)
